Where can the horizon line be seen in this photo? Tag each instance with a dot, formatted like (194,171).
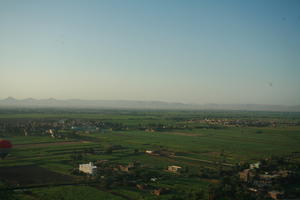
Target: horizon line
(162,101)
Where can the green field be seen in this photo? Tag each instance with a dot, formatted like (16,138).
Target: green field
(196,148)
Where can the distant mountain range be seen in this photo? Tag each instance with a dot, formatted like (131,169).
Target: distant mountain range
(11,102)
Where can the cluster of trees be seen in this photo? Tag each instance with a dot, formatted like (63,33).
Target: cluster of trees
(231,188)
(109,176)
(161,127)
(7,194)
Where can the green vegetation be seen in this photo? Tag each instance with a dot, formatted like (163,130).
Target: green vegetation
(205,144)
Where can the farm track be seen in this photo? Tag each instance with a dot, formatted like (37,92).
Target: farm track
(205,161)
(247,139)
(45,144)
(173,158)
(52,154)
(46,185)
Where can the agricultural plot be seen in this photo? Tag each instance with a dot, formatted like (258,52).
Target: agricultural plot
(31,175)
(73,193)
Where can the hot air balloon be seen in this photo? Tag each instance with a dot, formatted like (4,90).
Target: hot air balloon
(5,146)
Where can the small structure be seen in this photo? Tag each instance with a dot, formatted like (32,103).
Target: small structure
(269,177)
(284,173)
(141,186)
(149,152)
(153,153)
(255,165)
(88,168)
(101,162)
(153,179)
(51,133)
(124,168)
(275,194)
(246,175)
(150,130)
(129,167)
(253,189)
(174,168)
(160,191)
(157,192)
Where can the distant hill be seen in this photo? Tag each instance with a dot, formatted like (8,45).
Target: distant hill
(11,102)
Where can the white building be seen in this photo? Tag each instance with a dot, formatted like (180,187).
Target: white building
(51,133)
(88,168)
(255,165)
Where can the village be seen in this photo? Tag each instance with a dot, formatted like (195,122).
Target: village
(266,178)
(269,178)
(133,174)
(243,123)
(56,127)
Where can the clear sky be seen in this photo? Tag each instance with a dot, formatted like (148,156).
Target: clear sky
(189,51)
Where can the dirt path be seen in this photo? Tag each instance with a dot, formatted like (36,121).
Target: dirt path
(205,161)
(184,134)
(45,144)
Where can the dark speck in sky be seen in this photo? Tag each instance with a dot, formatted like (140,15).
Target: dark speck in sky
(270,84)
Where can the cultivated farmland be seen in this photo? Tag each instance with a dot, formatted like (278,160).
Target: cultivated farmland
(207,145)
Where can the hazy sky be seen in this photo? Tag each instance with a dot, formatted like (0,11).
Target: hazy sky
(181,51)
